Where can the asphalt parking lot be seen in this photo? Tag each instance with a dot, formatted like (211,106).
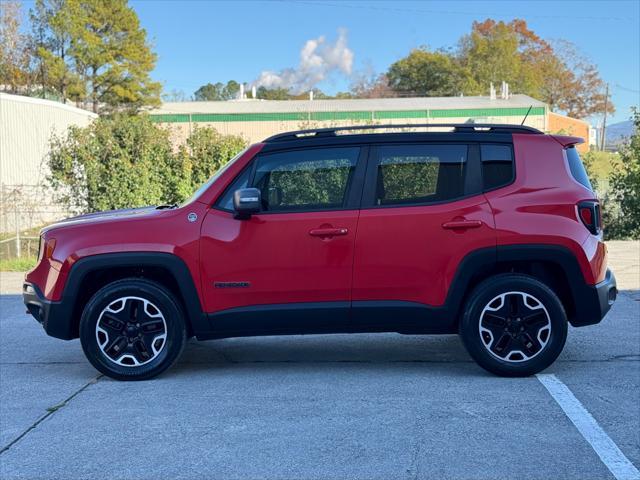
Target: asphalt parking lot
(381,406)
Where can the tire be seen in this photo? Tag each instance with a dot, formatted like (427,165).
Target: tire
(513,325)
(132,329)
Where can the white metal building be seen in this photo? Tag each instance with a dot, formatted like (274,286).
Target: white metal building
(26,127)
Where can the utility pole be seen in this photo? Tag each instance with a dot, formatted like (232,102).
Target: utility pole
(604,120)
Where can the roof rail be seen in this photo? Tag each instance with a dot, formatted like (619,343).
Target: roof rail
(457,128)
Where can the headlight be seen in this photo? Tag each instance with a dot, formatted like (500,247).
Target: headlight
(45,248)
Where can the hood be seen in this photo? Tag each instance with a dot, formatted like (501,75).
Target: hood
(99,217)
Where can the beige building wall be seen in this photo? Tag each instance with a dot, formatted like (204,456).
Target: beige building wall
(259,130)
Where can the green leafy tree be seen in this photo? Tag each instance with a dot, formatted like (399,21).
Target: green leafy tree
(273,93)
(111,54)
(51,22)
(492,53)
(217,91)
(116,162)
(94,52)
(203,154)
(425,73)
(624,185)
(503,51)
(123,161)
(14,49)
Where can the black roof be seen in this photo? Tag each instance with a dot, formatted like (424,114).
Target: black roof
(456,128)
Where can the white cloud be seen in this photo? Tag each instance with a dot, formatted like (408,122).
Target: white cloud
(319,59)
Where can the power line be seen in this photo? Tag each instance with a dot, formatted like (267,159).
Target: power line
(620,87)
(368,6)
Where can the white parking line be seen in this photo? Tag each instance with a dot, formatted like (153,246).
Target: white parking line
(607,450)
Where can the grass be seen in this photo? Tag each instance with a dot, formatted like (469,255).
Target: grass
(17,264)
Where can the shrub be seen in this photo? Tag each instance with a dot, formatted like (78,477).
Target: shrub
(624,184)
(204,153)
(125,161)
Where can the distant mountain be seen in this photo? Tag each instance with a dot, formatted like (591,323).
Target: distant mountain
(617,132)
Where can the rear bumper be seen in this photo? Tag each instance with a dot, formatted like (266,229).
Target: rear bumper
(53,316)
(595,301)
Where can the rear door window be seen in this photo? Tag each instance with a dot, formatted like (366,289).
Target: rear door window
(419,174)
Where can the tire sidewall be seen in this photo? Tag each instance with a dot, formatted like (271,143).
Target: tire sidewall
(488,290)
(162,299)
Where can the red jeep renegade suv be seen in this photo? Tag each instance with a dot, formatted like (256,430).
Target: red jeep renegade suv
(489,231)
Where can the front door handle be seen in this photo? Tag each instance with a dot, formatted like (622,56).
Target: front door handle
(461,224)
(328,232)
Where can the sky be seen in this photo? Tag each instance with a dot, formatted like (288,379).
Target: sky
(330,43)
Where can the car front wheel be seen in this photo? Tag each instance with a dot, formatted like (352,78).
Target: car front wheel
(132,329)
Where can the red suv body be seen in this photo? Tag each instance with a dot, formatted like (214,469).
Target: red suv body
(492,232)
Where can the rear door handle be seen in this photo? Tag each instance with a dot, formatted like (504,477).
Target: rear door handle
(328,232)
(461,224)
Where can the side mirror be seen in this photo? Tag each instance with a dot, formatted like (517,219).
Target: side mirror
(246,202)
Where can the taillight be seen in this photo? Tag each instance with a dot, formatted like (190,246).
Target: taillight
(589,213)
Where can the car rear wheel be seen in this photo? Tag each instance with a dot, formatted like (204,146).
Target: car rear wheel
(514,325)
(132,329)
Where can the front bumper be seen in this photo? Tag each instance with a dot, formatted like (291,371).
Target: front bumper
(593,303)
(55,317)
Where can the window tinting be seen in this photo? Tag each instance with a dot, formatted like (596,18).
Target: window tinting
(305,179)
(497,165)
(577,168)
(419,173)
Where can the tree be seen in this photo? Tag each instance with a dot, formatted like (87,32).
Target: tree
(625,188)
(273,93)
(94,51)
(124,161)
(112,56)
(499,51)
(373,86)
(217,91)
(204,153)
(425,73)
(51,39)
(580,92)
(175,95)
(494,52)
(554,73)
(14,51)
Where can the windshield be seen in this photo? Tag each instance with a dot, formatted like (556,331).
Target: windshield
(213,178)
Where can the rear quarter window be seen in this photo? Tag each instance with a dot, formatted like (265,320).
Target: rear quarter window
(497,166)
(578,171)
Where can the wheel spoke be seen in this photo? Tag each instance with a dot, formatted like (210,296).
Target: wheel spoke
(134,309)
(111,324)
(501,346)
(493,320)
(536,320)
(142,352)
(530,345)
(514,301)
(116,348)
(152,326)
